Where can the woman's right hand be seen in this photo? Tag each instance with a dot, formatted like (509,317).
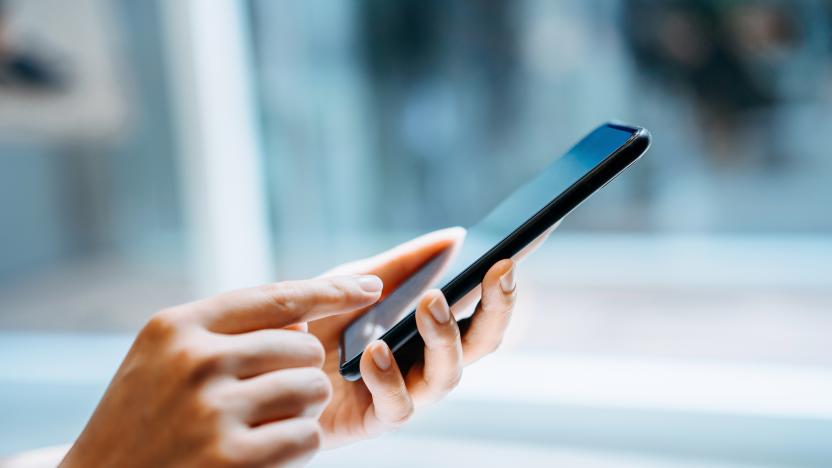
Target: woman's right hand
(223,381)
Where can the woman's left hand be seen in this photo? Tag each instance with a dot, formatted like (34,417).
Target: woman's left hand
(385,398)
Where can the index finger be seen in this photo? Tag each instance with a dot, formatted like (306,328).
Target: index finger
(277,305)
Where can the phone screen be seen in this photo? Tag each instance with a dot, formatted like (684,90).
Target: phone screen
(500,223)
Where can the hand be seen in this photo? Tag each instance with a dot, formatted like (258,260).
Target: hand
(222,382)
(384,399)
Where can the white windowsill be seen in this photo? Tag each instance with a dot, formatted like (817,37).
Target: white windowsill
(684,407)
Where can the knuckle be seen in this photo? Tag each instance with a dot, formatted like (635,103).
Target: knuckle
(452,382)
(310,438)
(161,327)
(447,341)
(404,416)
(199,362)
(231,451)
(441,344)
(314,349)
(333,291)
(511,297)
(206,367)
(342,288)
(319,387)
(306,438)
(401,410)
(281,295)
(208,407)
(454,336)
(500,308)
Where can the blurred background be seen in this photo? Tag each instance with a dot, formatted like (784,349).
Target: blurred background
(155,152)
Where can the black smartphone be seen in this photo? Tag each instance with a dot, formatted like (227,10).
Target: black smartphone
(517,221)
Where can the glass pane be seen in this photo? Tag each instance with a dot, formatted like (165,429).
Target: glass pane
(383,120)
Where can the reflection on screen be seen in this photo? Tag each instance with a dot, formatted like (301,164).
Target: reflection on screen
(507,217)
(395,306)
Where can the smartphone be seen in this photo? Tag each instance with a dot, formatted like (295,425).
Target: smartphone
(516,222)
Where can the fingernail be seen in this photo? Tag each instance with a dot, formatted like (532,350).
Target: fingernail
(438,307)
(370,284)
(381,355)
(507,281)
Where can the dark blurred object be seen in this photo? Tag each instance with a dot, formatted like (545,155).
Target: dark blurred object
(30,71)
(26,68)
(742,66)
(725,53)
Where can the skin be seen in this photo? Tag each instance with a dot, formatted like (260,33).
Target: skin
(250,377)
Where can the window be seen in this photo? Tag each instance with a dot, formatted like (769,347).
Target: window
(679,315)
